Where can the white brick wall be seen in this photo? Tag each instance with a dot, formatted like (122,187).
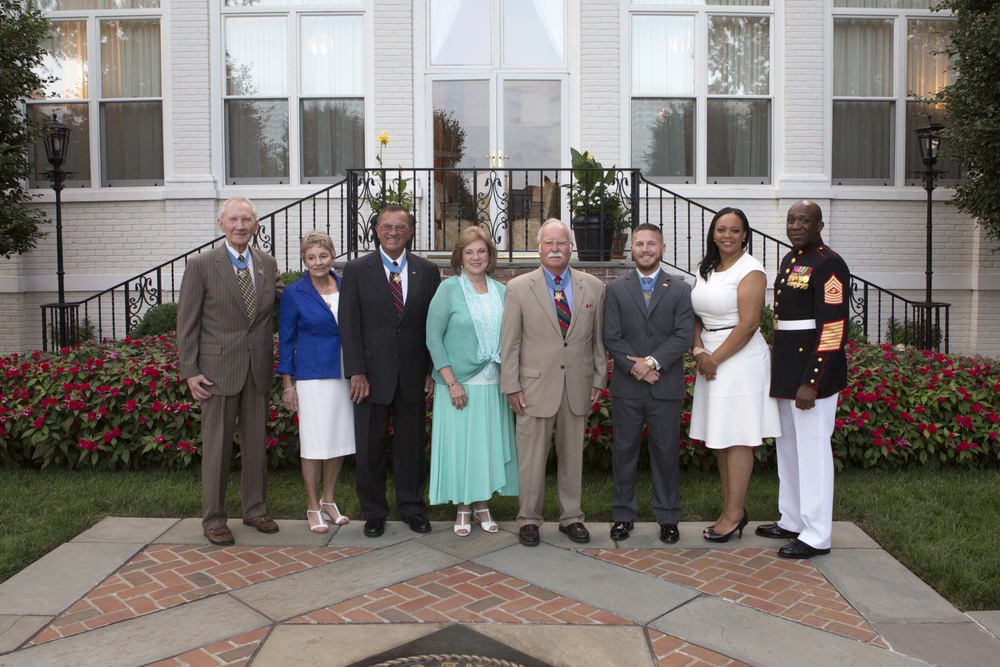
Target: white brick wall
(600,82)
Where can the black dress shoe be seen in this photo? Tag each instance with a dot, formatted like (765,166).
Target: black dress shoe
(799,549)
(774,530)
(419,523)
(374,527)
(620,530)
(669,533)
(528,535)
(576,532)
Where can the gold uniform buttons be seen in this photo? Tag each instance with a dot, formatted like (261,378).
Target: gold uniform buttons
(812,381)
(815,370)
(800,349)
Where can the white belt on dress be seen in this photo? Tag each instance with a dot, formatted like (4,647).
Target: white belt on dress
(795,325)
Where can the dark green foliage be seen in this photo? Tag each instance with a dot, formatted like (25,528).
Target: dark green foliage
(157,321)
(973,109)
(21,34)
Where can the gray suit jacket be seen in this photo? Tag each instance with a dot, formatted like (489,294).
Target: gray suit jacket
(536,360)
(377,343)
(664,331)
(215,337)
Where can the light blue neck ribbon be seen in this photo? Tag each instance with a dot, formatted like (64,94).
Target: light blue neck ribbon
(387,263)
(485,315)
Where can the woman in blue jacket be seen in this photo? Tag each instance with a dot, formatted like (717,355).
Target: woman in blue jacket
(309,353)
(473,454)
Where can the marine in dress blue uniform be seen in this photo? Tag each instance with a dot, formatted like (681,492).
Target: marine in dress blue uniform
(808,371)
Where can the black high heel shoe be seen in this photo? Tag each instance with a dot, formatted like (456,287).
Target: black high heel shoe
(713,536)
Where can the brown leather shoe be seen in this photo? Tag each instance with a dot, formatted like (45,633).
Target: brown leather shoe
(528,535)
(220,536)
(576,532)
(263,523)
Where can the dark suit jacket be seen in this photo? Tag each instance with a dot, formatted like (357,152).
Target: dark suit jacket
(215,337)
(308,336)
(664,331)
(388,349)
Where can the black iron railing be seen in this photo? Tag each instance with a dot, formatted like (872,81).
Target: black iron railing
(511,204)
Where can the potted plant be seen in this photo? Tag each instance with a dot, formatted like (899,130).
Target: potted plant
(598,213)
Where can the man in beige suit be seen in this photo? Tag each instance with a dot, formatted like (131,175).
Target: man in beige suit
(226,344)
(553,368)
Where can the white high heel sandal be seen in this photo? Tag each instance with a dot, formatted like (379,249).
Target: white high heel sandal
(463,529)
(489,525)
(341,519)
(319,528)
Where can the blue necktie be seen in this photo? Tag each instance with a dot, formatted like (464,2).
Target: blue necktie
(647,289)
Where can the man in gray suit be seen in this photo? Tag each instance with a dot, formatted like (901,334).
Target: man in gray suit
(384,298)
(648,327)
(226,343)
(553,369)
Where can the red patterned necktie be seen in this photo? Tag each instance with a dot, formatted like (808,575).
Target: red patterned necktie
(562,307)
(396,287)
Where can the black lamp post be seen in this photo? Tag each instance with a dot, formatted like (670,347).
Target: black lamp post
(929,138)
(56,147)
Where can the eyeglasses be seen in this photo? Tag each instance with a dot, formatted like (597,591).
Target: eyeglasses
(549,243)
(393,228)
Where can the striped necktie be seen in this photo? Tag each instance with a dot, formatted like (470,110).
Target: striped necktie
(246,287)
(562,307)
(396,287)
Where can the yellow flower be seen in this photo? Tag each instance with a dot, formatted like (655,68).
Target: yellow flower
(383,138)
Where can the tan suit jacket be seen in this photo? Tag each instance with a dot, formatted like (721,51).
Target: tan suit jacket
(536,360)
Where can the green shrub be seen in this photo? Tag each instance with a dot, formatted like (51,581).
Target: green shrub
(157,321)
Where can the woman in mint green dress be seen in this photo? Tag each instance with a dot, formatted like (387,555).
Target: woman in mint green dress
(473,454)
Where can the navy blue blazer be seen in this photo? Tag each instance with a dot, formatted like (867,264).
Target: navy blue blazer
(308,337)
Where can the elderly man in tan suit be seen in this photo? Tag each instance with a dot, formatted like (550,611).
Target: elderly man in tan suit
(226,344)
(553,367)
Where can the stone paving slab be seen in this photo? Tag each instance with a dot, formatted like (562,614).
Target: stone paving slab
(476,544)
(883,590)
(303,592)
(332,645)
(125,529)
(62,576)
(577,646)
(943,644)
(632,595)
(291,533)
(989,620)
(767,641)
(15,630)
(145,639)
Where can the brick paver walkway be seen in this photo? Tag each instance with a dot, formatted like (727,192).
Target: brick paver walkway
(755,577)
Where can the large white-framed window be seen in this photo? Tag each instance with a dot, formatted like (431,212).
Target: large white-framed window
(889,61)
(701,90)
(105,62)
(294,90)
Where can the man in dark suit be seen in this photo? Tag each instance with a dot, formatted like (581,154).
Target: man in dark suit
(648,327)
(553,369)
(812,293)
(226,344)
(383,320)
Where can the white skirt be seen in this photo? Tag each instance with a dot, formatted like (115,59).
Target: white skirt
(326,418)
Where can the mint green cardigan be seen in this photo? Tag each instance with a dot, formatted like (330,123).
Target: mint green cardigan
(451,336)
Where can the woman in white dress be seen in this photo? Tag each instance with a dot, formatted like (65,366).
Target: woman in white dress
(732,411)
(309,353)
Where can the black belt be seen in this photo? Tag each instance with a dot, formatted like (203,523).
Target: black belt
(731,326)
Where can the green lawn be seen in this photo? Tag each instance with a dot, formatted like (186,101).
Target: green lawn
(943,525)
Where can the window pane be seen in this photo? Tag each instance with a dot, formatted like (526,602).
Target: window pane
(130,58)
(256,56)
(887,4)
(133,142)
(66,60)
(332,55)
(663,137)
(532,123)
(739,139)
(663,55)
(257,140)
(74,5)
(862,52)
(462,124)
(333,138)
(917,116)
(729,3)
(77,117)
(533,32)
(739,51)
(287,3)
(460,32)
(927,66)
(863,141)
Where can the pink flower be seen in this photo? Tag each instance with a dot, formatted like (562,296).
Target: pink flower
(39,422)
